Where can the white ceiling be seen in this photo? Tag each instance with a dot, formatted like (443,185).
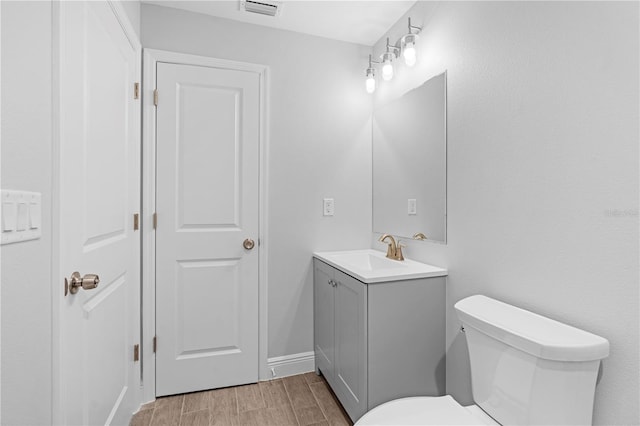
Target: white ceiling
(359,21)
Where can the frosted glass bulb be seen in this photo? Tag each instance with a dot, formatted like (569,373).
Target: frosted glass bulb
(387,70)
(371,84)
(409,54)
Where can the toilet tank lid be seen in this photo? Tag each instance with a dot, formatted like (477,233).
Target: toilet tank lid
(532,333)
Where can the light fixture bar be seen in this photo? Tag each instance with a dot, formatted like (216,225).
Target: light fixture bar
(406,45)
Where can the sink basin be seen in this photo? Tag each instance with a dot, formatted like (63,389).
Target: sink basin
(372,266)
(369,262)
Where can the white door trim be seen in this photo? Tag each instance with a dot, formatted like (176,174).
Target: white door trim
(151,58)
(57,293)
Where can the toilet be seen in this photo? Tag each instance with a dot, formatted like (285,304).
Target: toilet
(526,369)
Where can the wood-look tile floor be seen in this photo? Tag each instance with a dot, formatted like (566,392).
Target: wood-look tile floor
(297,400)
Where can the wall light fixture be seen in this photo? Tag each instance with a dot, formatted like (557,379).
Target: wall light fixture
(405,45)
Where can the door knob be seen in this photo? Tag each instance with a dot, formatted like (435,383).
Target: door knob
(248,244)
(73,284)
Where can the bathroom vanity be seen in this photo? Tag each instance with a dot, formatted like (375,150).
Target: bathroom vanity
(379,328)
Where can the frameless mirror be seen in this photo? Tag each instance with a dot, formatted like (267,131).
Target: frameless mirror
(410,163)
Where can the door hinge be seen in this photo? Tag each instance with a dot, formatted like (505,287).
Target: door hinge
(136,353)
(155,344)
(136,221)
(155,221)
(136,90)
(155,97)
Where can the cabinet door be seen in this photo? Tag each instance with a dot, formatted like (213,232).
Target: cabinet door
(351,341)
(323,324)
(406,339)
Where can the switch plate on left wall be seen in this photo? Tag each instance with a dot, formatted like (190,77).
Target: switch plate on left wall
(21,216)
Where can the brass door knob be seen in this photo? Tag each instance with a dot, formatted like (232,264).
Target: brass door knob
(248,244)
(73,284)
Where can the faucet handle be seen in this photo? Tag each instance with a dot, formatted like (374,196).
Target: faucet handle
(399,255)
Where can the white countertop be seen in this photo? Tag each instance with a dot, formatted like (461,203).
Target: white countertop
(372,266)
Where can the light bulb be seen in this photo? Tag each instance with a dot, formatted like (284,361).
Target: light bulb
(387,69)
(409,54)
(371,82)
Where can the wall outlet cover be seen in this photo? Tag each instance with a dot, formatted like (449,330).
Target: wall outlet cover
(328,207)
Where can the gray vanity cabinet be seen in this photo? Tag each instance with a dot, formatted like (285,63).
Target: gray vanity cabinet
(340,307)
(377,342)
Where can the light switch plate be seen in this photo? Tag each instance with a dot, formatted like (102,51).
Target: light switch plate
(412,206)
(328,207)
(21,216)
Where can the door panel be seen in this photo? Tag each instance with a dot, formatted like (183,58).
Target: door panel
(105,186)
(207,205)
(99,192)
(207,115)
(207,295)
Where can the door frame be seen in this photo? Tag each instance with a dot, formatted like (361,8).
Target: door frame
(151,57)
(57,274)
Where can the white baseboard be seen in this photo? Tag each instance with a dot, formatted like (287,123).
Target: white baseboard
(290,365)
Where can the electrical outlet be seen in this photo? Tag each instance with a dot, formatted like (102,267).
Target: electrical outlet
(328,207)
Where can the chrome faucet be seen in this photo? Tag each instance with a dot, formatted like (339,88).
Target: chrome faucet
(394,250)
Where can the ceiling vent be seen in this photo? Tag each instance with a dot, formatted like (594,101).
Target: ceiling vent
(263,7)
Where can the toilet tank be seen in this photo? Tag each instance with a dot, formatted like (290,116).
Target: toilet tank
(527,369)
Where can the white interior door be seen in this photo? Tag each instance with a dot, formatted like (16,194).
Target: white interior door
(99,188)
(208,205)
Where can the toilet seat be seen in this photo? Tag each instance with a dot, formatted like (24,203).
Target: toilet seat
(425,410)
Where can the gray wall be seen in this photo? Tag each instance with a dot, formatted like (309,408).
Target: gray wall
(132,9)
(26,165)
(319,146)
(543,124)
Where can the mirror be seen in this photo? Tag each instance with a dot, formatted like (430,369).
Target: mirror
(410,163)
